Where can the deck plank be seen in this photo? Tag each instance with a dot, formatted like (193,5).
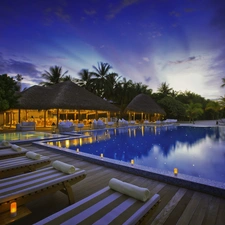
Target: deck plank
(190,209)
(177,205)
(179,209)
(164,214)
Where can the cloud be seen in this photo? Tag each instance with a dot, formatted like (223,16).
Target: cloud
(120,7)
(218,19)
(61,14)
(189,10)
(147,79)
(175,14)
(218,63)
(18,67)
(178,62)
(90,12)
(146,59)
(189,59)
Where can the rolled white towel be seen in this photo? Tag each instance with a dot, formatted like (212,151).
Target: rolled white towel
(16,148)
(5,143)
(63,167)
(33,155)
(131,190)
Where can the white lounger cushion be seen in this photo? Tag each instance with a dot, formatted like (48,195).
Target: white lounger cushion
(16,148)
(33,155)
(5,143)
(142,194)
(63,167)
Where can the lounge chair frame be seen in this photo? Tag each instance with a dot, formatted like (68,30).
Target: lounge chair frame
(10,153)
(18,165)
(103,207)
(30,186)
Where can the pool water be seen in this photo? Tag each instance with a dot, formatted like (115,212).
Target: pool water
(29,135)
(195,151)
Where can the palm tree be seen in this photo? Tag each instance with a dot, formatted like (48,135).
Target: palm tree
(214,106)
(54,76)
(19,78)
(165,90)
(223,80)
(193,110)
(85,79)
(102,79)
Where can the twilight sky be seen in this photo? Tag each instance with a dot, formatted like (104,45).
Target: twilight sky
(180,42)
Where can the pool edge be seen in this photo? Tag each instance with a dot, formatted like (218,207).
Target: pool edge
(198,184)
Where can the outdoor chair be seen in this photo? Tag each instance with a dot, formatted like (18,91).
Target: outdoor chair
(26,126)
(106,206)
(23,164)
(122,123)
(30,186)
(66,127)
(146,122)
(80,126)
(98,124)
(4,147)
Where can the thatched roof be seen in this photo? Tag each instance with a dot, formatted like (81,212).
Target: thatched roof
(143,103)
(65,95)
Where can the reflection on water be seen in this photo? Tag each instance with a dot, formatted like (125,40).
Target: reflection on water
(195,151)
(24,135)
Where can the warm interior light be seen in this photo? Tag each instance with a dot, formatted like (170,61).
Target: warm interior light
(101,155)
(132,162)
(13,209)
(175,170)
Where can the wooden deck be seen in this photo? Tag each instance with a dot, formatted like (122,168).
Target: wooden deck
(177,206)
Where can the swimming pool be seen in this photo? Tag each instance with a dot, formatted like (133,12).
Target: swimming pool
(27,136)
(195,151)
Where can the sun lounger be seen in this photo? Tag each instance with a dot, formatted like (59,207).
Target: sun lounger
(23,164)
(103,207)
(5,144)
(10,153)
(30,186)
(3,147)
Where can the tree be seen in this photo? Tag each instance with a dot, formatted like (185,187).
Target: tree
(85,79)
(222,101)
(215,107)
(101,81)
(223,84)
(19,78)
(8,88)
(165,90)
(173,108)
(193,110)
(54,76)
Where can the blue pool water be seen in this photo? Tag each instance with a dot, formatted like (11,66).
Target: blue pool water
(196,151)
(29,135)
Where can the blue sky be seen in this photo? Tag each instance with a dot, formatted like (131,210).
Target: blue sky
(180,42)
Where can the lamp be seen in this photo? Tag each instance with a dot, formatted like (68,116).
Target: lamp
(13,209)
(175,171)
(132,162)
(101,156)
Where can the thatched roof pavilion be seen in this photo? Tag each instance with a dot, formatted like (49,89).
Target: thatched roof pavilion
(144,104)
(62,101)
(65,95)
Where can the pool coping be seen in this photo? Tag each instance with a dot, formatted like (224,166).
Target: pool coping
(186,181)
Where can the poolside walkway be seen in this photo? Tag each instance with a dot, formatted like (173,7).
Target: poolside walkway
(177,206)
